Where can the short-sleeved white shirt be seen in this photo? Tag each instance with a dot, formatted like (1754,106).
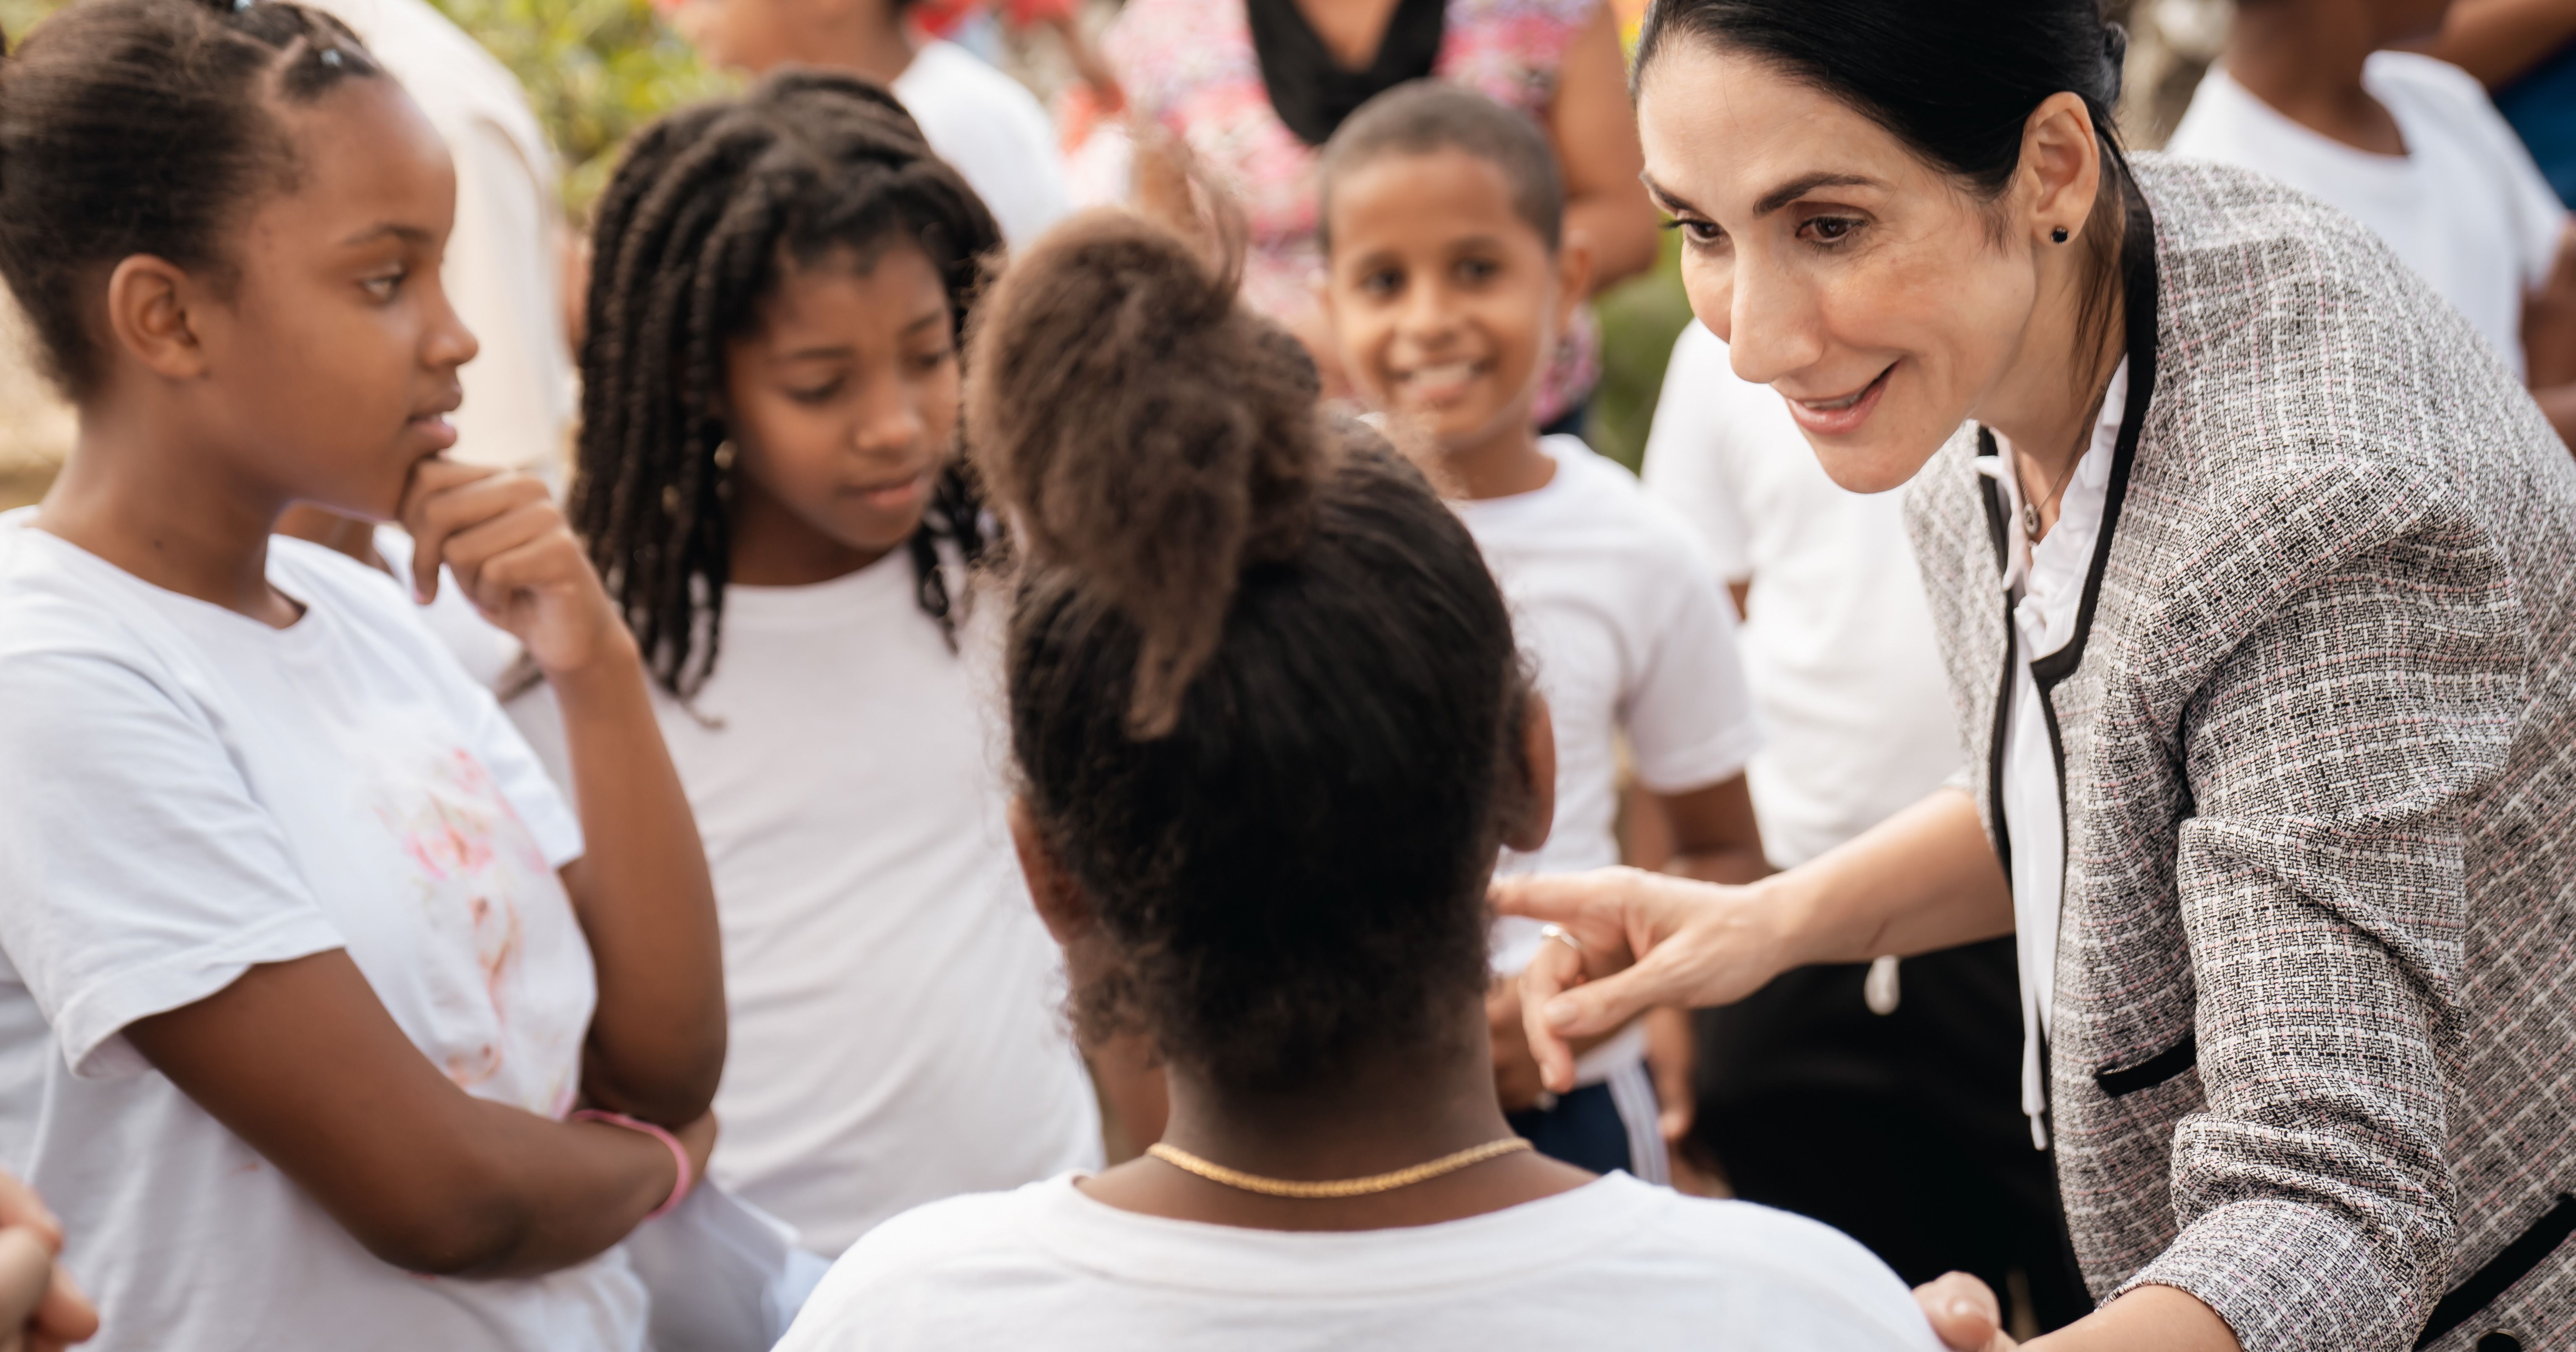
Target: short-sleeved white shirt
(2465,207)
(1613,1264)
(846,768)
(192,793)
(1622,616)
(1837,637)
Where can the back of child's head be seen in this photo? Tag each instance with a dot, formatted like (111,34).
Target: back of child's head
(1424,117)
(709,210)
(146,127)
(1263,692)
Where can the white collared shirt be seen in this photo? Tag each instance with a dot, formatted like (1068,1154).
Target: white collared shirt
(2045,580)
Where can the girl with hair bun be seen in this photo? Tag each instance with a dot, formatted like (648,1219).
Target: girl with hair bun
(324,1021)
(2247,556)
(768,479)
(1270,730)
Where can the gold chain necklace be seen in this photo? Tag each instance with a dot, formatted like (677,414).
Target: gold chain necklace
(1337,1187)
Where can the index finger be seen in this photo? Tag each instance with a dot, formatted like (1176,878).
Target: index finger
(430,478)
(1554,968)
(21,1208)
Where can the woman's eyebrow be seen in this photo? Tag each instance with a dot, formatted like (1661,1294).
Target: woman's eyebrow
(1799,187)
(1672,205)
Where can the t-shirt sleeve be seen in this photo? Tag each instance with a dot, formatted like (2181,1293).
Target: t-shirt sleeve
(1690,717)
(140,874)
(1686,451)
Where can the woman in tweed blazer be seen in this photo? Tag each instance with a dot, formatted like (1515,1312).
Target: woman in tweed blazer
(2311,1021)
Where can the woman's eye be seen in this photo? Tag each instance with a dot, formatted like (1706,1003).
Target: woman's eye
(1831,229)
(1699,232)
(1476,269)
(1381,283)
(932,361)
(383,285)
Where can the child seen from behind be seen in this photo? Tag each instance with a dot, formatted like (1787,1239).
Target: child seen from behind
(768,480)
(1270,729)
(1447,279)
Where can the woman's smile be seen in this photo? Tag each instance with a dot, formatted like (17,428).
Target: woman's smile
(1841,414)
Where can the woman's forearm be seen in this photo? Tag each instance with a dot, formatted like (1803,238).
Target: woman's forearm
(641,888)
(1924,879)
(2148,1319)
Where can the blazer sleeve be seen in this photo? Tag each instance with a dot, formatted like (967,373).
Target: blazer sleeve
(2334,753)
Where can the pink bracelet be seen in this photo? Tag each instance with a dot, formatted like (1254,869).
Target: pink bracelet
(679,1153)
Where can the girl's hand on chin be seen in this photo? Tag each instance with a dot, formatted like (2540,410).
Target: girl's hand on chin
(502,536)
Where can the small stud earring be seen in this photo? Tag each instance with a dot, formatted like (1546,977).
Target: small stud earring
(2058,234)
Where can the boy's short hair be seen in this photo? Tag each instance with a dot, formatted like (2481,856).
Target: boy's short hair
(1422,116)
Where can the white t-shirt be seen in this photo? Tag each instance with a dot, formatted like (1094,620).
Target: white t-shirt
(504,266)
(2046,584)
(1620,613)
(1837,636)
(897,1033)
(991,129)
(192,793)
(1613,1264)
(2464,206)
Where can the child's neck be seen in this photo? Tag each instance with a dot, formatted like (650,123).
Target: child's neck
(871,41)
(774,547)
(2307,66)
(1375,1116)
(1498,466)
(168,512)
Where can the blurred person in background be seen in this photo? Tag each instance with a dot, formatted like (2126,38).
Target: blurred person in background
(1876,1099)
(1248,91)
(2524,52)
(983,122)
(2308,92)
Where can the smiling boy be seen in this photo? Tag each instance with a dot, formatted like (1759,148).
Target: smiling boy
(1448,275)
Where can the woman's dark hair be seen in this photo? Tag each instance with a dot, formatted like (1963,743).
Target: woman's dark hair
(708,211)
(1263,694)
(146,127)
(1955,83)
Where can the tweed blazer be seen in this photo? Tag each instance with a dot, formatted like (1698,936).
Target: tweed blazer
(2312,1050)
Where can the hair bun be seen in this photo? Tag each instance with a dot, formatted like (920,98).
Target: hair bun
(1144,433)
(2115,61)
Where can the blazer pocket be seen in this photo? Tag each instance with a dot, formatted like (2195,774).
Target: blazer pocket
(2120,1081)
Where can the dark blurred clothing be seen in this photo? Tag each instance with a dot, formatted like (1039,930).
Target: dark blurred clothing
(1902,1130)
(2542,108)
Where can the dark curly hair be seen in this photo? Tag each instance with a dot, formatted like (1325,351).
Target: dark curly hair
(706,210)
(146,127)
(1264,698)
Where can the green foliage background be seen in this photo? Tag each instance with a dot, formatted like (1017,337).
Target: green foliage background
(595,70)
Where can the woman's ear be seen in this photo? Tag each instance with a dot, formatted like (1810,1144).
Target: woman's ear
(2062,163)
(150,303)
(1059,900)
(1535,812)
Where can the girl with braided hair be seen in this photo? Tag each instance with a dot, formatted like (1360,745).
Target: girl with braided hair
(305,965)
(768,479)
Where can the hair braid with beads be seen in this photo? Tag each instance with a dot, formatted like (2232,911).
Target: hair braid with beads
(691,237)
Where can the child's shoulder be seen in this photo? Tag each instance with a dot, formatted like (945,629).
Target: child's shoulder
(1599,491)
(1808,1272)
(880,1281)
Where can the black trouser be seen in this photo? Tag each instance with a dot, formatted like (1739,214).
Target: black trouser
(1902,1130)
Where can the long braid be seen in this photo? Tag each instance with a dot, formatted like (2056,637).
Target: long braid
(688,243)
